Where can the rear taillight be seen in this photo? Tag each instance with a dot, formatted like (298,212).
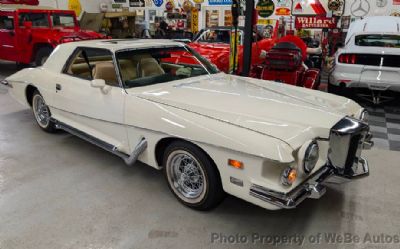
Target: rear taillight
(348,58)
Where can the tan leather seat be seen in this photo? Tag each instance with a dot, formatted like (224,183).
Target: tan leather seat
(128,70)
(149,67)
(106,71)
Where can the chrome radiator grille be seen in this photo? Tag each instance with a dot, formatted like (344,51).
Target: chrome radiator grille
(346,143)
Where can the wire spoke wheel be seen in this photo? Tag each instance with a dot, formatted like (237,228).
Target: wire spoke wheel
(186,176)
(41,111)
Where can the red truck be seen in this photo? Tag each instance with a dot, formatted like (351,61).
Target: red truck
(30,33)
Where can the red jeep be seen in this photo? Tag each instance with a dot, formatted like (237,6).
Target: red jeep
(30,33)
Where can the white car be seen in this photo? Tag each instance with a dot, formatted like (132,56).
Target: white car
(369,63)
(159,102)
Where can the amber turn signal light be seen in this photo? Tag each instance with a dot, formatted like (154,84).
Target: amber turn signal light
(289,176)
(235,163)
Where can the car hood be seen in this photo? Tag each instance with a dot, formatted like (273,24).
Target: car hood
(73,33)
(291,114)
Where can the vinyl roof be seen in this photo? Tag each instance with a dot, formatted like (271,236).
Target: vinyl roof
(121,44)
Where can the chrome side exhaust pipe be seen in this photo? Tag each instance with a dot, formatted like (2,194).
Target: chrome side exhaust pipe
(139,149)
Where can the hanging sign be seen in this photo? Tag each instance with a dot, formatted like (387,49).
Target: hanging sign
(317,7)
(265,8)
(266,22)
(282,11)
(169,5)
(315,22)
(158,3)
(136,3)
(195,20)
(234,57)
(116,6)
(265,27)
(360,8)
(75,5)
(187,6)
(220,2)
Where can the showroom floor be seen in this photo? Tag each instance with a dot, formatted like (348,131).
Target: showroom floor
(57,191)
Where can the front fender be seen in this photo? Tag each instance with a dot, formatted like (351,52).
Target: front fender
(174,122)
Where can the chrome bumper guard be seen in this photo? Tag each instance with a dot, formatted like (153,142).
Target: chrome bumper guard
(313,187)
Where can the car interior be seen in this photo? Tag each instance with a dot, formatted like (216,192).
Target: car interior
(137,69)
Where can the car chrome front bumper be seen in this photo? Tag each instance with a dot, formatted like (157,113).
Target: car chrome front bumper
(313,187)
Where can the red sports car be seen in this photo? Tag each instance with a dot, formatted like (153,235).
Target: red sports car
(214,44)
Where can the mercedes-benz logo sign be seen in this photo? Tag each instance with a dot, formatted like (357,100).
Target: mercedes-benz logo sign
(360,8)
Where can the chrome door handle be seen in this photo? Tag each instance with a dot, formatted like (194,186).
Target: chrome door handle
(58,87)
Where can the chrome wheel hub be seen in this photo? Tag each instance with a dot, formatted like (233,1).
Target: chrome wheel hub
(41,111)
(186,176)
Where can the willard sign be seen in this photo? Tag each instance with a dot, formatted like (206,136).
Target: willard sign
(315,22)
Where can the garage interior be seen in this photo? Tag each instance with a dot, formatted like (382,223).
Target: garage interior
(59,191)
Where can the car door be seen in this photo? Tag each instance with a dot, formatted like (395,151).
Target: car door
(8,39)
(84,106)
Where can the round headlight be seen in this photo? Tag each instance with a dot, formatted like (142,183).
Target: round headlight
(364,116)
(311,157)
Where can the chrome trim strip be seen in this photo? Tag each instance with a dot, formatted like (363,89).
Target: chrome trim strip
(167,135)
(129,159)
(313,187)
(310,188)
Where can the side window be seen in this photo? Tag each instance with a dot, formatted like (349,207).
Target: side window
(37,19)
(91,63)
(7,22)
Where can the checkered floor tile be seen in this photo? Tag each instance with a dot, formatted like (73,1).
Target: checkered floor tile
(385,126)
(384,121)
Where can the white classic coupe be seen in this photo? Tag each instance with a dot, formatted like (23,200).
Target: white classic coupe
(159,102)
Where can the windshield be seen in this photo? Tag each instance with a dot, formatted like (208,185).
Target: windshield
(159,65)
(63,20)
(218,36)
(388,41)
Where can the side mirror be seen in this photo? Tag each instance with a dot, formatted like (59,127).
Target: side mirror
(263,54)
(100,83)
(28,25)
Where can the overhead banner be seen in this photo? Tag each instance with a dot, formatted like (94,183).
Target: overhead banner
(315,22)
